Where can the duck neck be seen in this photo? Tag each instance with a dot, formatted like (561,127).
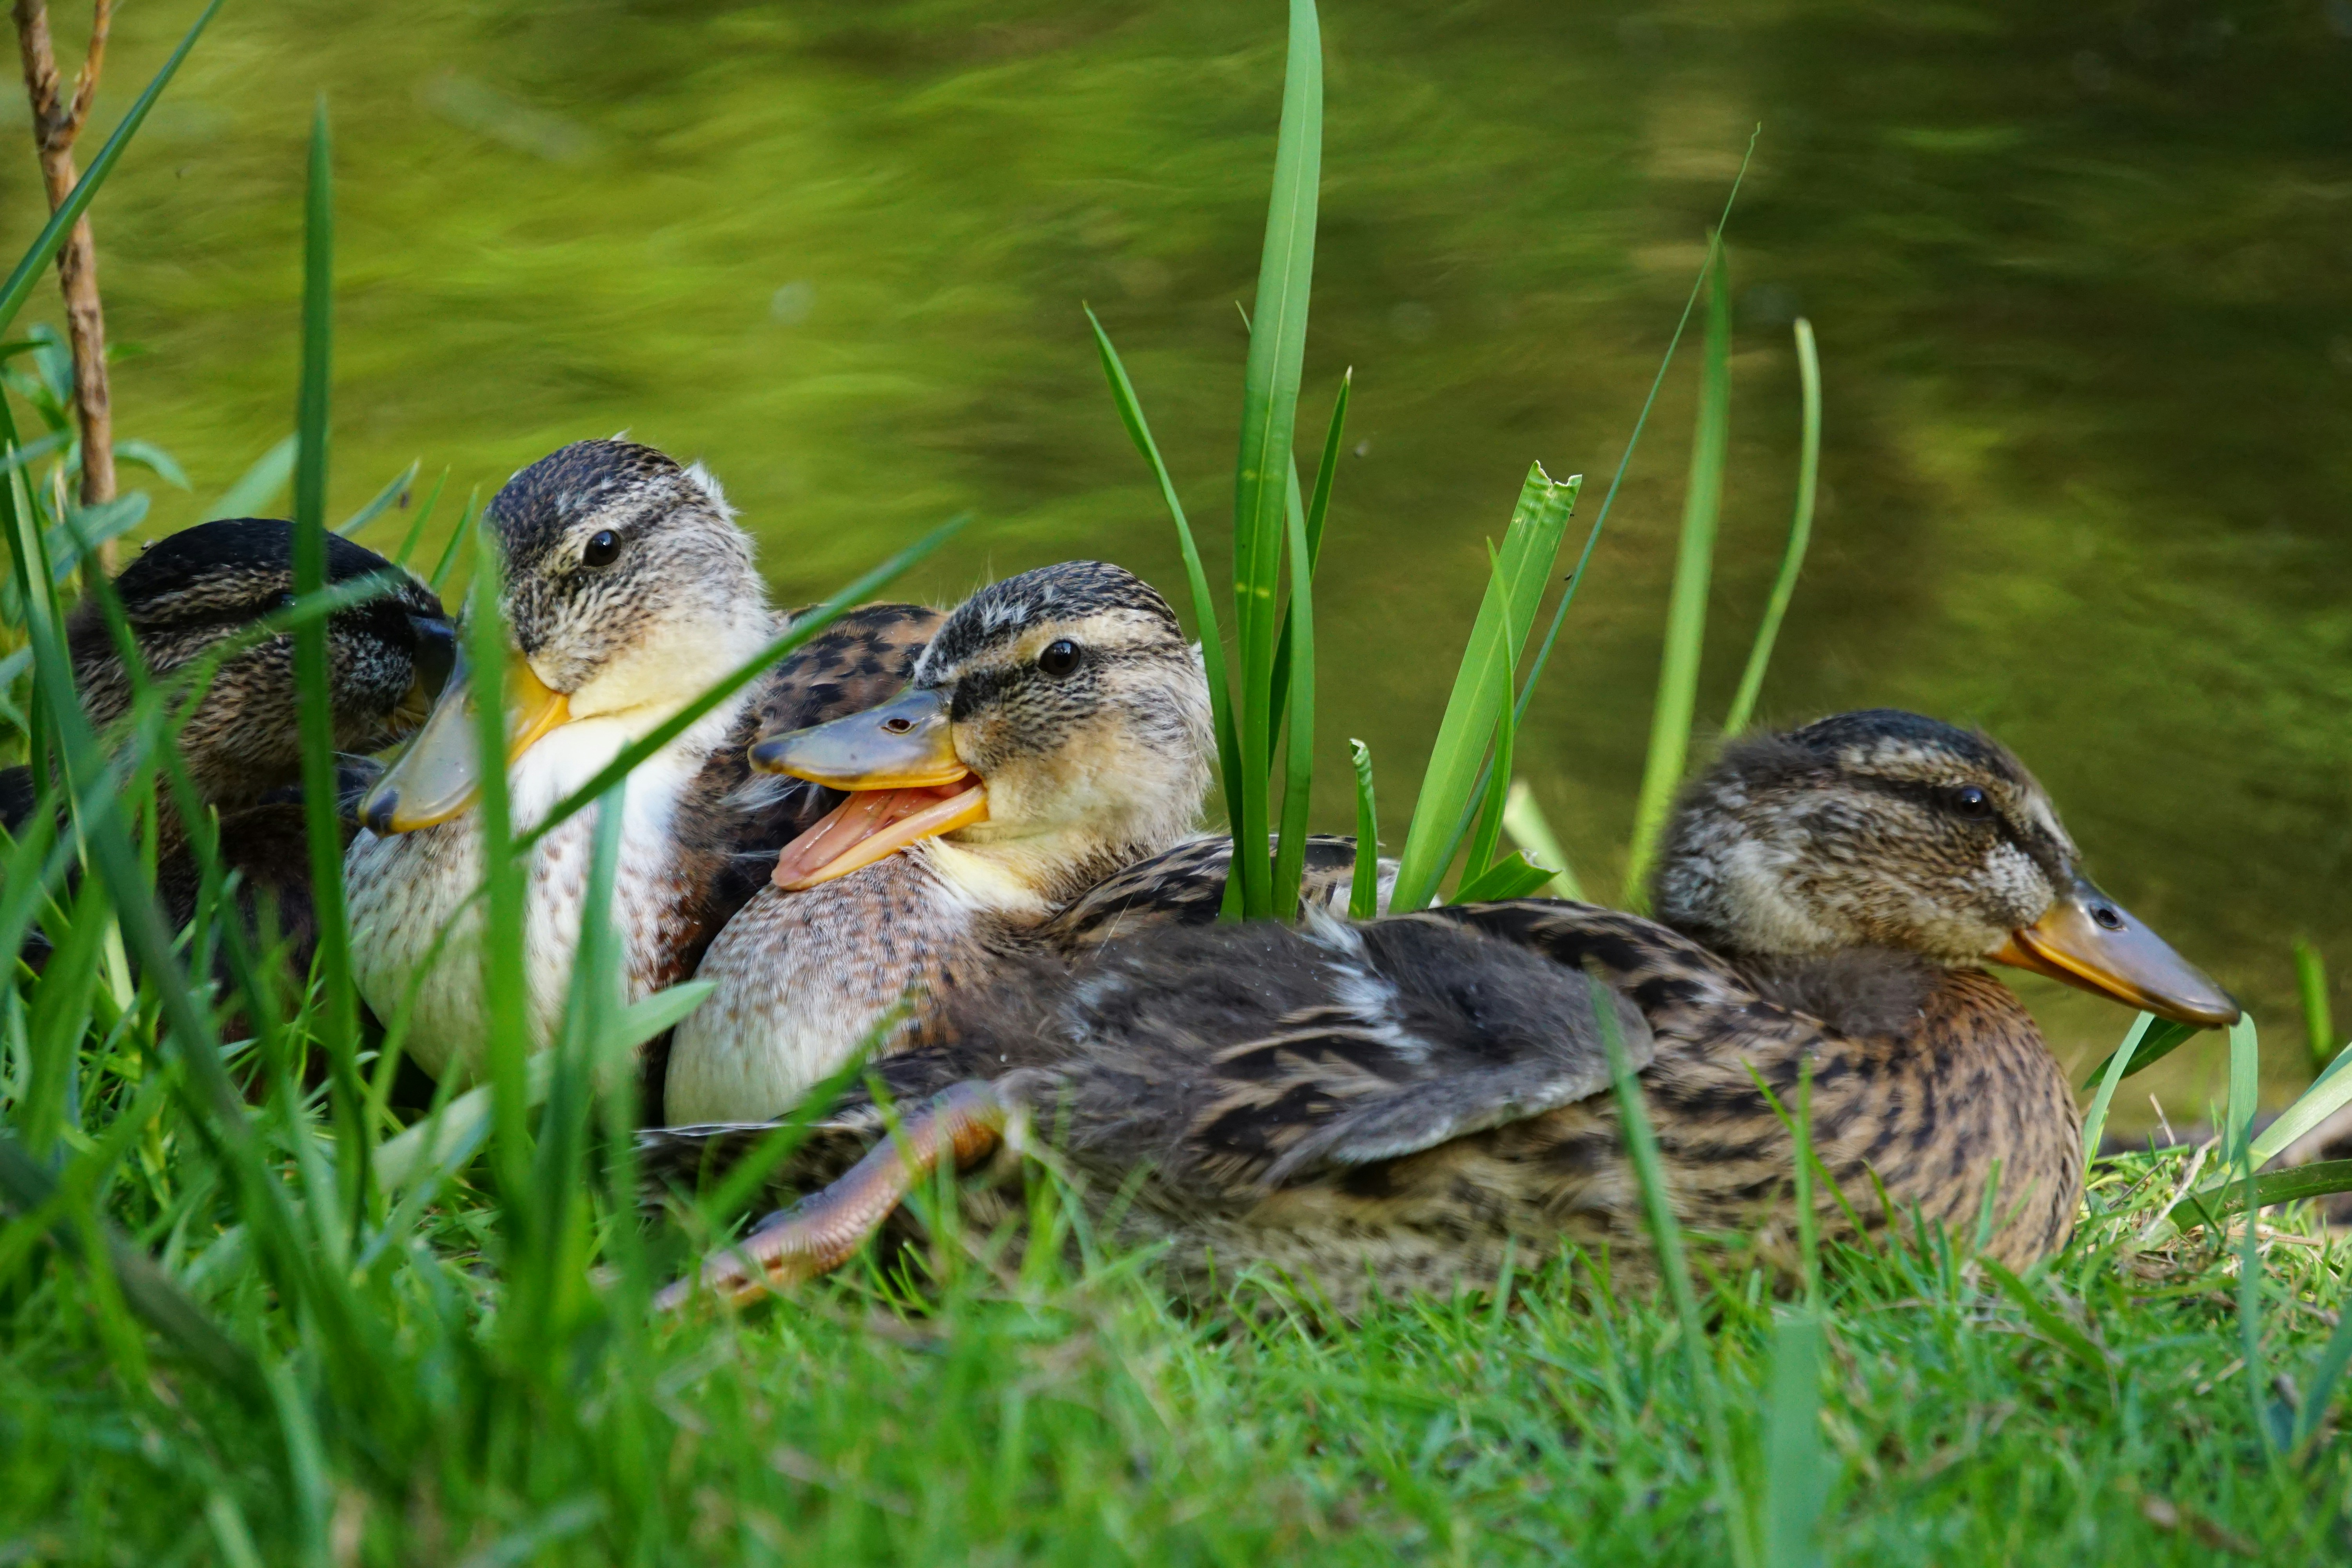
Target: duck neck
(1024,878)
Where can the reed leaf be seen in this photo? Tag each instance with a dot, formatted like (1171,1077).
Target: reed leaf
(337,1019)
(2311,988)
(1530,546)
(1677,700)
(2119,1064)
(1531,831)
(1263,472)
(1801,533)
(1364,888)
(259,485)
(381,502)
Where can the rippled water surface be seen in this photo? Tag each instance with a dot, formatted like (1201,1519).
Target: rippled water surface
(2081,275)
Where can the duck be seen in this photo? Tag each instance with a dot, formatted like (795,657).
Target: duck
(184,596)
(627,590)
(1403,1104)
(1056,730)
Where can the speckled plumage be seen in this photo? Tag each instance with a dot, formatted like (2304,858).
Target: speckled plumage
(1180,1064)
(1086,773)
(181,597)
(629,643)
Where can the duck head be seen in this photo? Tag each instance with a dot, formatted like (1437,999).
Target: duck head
(1056,728)
(1887,829)
(626,591)
(189,592)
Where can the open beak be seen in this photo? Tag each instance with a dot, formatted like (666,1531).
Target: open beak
(435,656)
(439,775)
(2087,940)
(906,783)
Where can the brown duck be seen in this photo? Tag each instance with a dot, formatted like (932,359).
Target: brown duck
(183,597)
(1396,1104)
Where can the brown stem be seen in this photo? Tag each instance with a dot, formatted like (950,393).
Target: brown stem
(56,122)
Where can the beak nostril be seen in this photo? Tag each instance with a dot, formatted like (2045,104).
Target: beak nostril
(2108,917)
(898,726)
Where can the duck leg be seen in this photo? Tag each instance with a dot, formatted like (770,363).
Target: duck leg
(818,1235)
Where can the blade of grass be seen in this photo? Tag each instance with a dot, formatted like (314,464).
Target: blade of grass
(1801,533)
(1667,1239)
(1530,546)
(1262,470)
(1796,1471)
(1525,822)
(2327,1094)
(2319,1387)
(1488,832)
(458,537)
(1318,511)
(1670,718)
(336,1023)
(2163,1038)
(2245,1088)
(2310,986)
(380,503)
(1632,441)
(52,237)
(2095,1123)
(259,485)
(1298,774)
(1364,890)
(417,526)
(1204,604)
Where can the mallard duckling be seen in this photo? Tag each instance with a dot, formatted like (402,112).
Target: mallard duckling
(242,745)
(1056,729)
(1826,897)
(627,592)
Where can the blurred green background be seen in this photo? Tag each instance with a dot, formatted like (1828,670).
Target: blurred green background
(2082,277)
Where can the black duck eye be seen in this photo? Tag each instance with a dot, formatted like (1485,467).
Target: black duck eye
(1060,657)
(603,546)
(1972,802)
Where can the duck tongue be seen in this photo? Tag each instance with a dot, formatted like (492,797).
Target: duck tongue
(872,824)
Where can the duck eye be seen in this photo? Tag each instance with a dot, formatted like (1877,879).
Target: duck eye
(1060,657)
(1972,802)
(601,547)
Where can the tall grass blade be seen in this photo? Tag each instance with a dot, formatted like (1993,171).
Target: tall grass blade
(458,536)
(2319,1387)
(259,485)
(1364,890)
(1666,1238)
(417,524)
(505,993)
(1670,718)
(381,502)
(2245,1087)
(1263,472)
(1204,604)
(337,1020)
(1523,820)
(1801,533)
(2329,1093)
(2311,986)
(1449,785)
(1297,642)
(2164,1037)
(2095,1122)
(52,237)
(1319,510)
(1796,1470)
(1641,423)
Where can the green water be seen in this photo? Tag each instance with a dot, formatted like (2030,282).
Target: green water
(2081,275)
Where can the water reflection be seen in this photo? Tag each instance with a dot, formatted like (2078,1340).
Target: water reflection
(2079,277)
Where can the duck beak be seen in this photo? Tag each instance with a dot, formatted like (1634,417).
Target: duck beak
(434,656)
(899,762)
(2089,940)
(438,777)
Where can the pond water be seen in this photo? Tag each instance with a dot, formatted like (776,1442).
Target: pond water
(2081,278)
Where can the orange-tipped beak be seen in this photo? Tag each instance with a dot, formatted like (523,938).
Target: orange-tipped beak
(2090,941)
(906,783)
(438,777)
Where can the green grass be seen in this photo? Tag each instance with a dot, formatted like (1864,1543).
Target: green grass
(246,1316)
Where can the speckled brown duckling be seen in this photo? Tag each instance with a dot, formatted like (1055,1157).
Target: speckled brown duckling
(628,591)
(1372,1105)
(1056,729)
(184,596)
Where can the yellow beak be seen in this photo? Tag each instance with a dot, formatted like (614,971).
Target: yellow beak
(438,777)
(2090,941)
